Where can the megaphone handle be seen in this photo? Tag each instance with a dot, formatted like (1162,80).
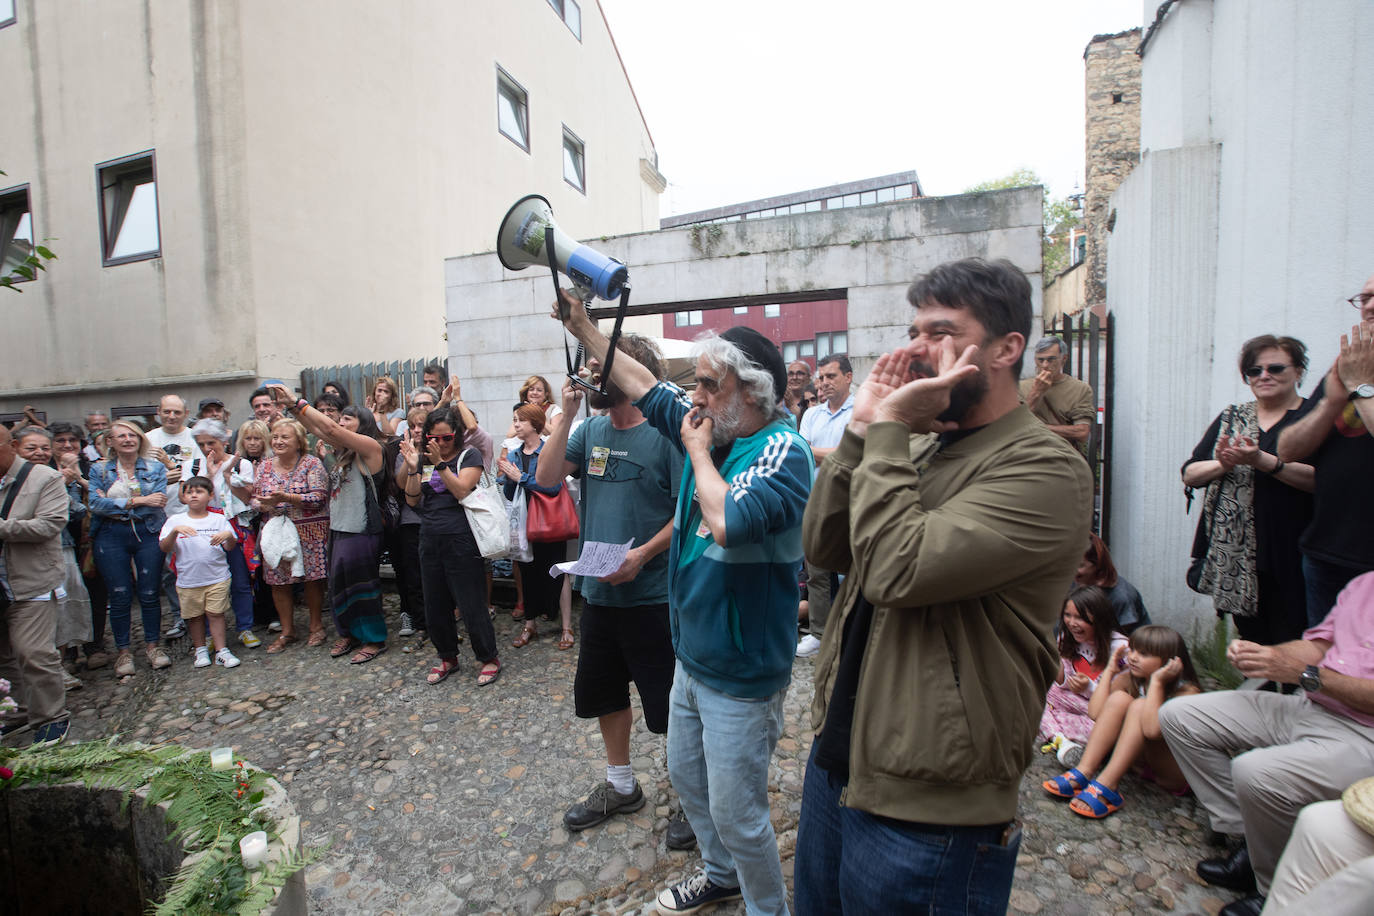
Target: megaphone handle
(553,272)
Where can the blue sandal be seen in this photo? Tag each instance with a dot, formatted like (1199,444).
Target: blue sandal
(1067,785)
(1096,801)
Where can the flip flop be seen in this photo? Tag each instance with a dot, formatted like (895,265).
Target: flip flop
(343,646)
(281,643)
(485,677)
(316,639)
(1096,801)
(1067,785)
(441,672)
(366,655)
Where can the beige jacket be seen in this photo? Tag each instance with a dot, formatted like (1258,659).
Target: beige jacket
(33,531)
(966,553)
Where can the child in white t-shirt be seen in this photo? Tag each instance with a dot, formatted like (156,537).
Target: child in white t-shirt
(201,539)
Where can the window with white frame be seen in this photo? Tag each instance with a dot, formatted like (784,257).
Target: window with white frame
(512,110)
(789,352)
(741,310)
(571,14)
(574,161)
(688,318)
(772,311)
(128,209)
(16,230)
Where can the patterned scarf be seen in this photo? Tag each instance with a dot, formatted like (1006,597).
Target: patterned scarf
(1228,574)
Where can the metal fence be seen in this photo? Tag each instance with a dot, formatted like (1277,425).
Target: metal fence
(1090,360)
(360,378)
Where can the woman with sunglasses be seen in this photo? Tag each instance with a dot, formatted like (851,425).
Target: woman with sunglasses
(1256,506)
(450,564)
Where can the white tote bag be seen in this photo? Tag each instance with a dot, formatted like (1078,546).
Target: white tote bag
(486,512)
(517,510)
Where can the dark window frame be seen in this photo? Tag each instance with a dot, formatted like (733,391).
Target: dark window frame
(14,15)
(112,176)
(509,86)
(561,8)
(8,196)
(579,148)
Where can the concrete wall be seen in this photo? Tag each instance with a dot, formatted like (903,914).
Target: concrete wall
(1262,227)
(316,163)
(499,330)
(1066,294)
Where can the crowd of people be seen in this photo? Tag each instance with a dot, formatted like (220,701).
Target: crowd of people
(926,534)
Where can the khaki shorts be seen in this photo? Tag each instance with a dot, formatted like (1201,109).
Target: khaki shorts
(204,599)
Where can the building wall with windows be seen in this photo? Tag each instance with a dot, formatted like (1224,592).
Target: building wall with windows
(315,163)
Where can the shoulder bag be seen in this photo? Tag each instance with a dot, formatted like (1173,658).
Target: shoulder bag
(486,512)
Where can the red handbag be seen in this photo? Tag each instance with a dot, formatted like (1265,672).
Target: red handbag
(551,518)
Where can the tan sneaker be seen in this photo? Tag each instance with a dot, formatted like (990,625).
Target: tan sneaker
(124,666)
(157,658)
(97,659)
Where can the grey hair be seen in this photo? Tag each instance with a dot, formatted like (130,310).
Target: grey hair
(184,405)
(425,389)
(211,427)
(756,385)
(31,431)
(1049,340)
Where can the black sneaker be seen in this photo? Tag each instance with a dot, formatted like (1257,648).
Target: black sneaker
(50,732)
(600,805)
(680,833)
(696,891)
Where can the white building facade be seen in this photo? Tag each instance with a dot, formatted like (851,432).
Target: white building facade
(1251,212)
(237,189)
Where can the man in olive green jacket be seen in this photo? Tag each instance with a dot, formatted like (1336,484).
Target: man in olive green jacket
(957,519)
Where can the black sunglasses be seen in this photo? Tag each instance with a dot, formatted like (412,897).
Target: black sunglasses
(446,437)
(1272,369)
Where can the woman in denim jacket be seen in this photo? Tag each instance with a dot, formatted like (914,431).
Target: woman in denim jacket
(127,493)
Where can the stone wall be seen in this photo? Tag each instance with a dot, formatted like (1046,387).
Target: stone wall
(499,329)
(1112,135)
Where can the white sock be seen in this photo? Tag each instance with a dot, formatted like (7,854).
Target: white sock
(621,777)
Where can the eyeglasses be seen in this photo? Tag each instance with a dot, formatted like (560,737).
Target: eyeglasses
(1272,369)
(421,403)
(446,437)
(1360,300)
(708,384)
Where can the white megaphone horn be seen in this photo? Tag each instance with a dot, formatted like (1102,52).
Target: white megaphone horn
(523,240)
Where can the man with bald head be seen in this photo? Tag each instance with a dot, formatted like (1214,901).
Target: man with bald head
(33,512)
(175,446)
(1337,438)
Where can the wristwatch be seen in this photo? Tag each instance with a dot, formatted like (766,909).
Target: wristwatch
(1362,391)
(1311,679)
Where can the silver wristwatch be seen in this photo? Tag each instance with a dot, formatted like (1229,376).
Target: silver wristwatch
(1310,679)
(1362,391)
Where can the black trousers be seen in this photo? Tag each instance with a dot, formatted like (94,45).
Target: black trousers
(454,576)
(403,543)
(542,590)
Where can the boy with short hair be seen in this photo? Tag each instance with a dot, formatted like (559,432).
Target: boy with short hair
(201,539)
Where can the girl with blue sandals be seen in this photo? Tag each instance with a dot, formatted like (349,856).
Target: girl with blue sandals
(1125,710)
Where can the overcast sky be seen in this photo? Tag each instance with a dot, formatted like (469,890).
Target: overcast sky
(751,98)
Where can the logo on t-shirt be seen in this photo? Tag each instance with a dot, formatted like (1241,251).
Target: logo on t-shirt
(612,466)
(1349,423)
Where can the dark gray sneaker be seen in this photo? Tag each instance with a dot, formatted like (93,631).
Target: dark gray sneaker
(680,833)
(603,801)
(696,891)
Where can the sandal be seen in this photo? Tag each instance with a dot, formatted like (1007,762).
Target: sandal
(343,646)
(1066,786)
(281,643)
(490,672)
(527,634)
(519,612)
(366,655)
(440,673)
(1096,801)
(567,641)
(316,639)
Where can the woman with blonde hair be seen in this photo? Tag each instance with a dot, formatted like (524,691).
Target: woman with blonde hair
(385,404)
(128,491)
(293,483)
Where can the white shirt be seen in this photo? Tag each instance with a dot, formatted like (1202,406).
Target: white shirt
(199,562)
(824,429)
(189,453)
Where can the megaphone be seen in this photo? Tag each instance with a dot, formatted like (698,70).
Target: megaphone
(529,227)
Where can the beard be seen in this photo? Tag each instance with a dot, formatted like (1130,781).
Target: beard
(613,397)
(726,422)
(963,397)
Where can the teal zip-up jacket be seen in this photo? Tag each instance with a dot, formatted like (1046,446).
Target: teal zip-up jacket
(734,609)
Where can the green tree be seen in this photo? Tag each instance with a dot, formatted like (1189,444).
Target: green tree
(1060,216)
(22,261)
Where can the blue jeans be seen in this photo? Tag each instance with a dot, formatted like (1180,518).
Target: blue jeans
(852,862)
(1324,582)
(114,546)
(240,590)
(719,747)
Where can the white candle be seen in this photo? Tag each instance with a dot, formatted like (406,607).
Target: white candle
(253,848)
(221,758)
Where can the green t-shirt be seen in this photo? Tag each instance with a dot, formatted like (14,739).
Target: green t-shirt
(630,479)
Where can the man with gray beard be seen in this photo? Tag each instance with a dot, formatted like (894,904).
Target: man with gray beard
(732,567)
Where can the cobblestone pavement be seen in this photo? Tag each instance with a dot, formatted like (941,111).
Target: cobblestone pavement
(450,798)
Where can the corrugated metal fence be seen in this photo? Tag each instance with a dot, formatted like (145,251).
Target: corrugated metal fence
(360,378)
